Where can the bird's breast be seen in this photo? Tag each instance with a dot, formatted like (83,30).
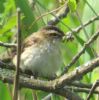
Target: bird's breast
(44,59)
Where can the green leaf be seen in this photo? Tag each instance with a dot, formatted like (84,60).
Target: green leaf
(28,13)
(4,92)
(2,6)
(9,25)
(72,5)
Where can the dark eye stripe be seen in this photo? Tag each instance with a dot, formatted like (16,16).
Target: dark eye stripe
(54,33)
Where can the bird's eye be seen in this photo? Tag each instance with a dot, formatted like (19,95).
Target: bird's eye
(54,34)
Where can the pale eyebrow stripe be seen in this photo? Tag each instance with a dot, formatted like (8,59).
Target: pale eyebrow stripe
(53,31)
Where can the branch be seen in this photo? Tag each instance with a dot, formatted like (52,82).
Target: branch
(84,90)
(81,23)
(80,85)
(16,80)
(59,17)
(51,86)
(74,75)
(79,28)
(76,57)
(92,90)
(8,45)
(7,76)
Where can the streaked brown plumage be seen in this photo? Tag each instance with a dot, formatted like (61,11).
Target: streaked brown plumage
(41,52)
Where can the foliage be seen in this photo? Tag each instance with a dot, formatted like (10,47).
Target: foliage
(72,5)
(30,12)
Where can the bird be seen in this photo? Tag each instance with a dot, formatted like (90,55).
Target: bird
(41,52)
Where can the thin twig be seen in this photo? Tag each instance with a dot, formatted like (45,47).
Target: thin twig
(49,12)
(92,89)
(16,80)
(84,90)
(8,45)
(80,85)
(84,30)
(91,7)
(76,57)
(79,28)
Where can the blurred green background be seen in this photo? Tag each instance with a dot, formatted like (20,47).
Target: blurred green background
(31,10)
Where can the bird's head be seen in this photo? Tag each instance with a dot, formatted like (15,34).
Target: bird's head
(51,33)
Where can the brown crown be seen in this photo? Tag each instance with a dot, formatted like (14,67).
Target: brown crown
(54,28)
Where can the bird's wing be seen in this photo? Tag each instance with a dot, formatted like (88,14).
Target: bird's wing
(31,40)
